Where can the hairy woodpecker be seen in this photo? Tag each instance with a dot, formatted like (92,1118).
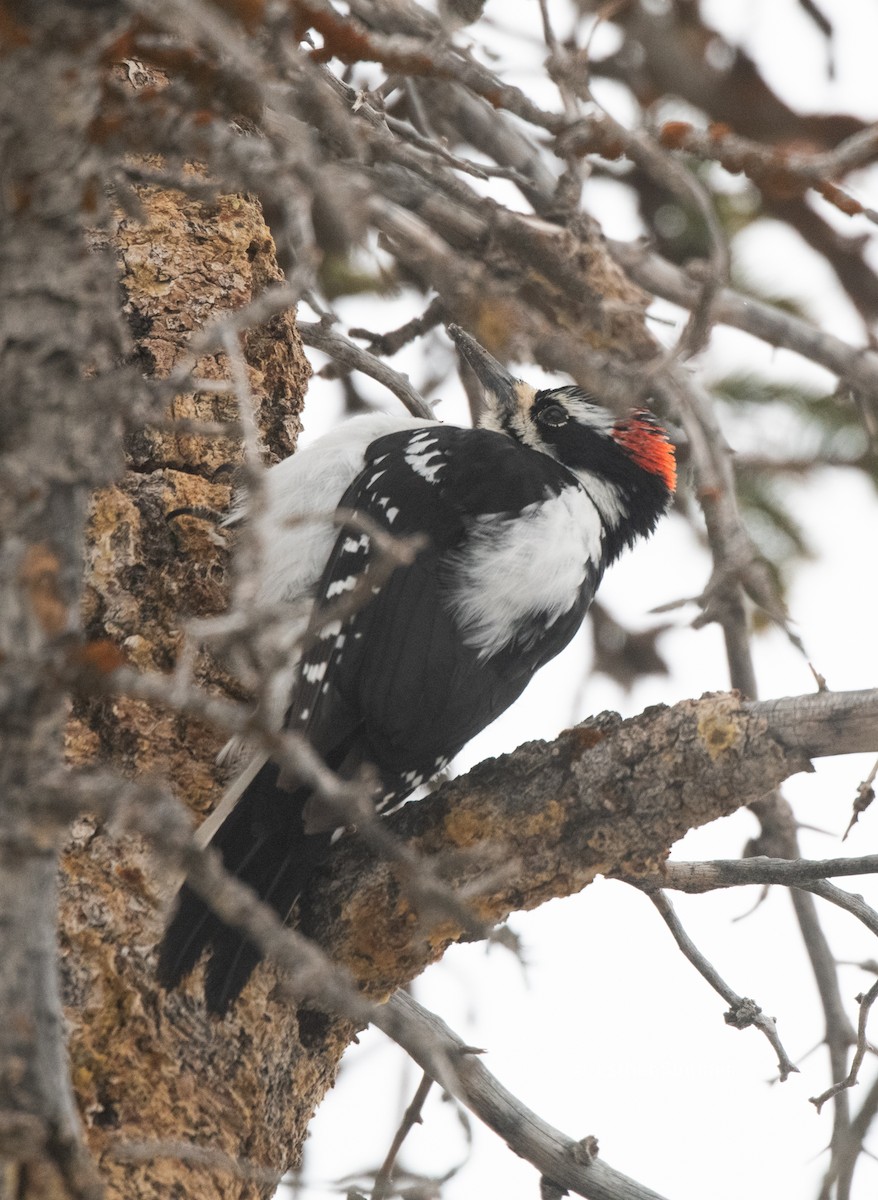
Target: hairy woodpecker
(520,516)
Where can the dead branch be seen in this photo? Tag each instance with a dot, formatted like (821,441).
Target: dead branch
(743,1012)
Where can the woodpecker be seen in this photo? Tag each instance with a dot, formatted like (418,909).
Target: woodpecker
(519,517)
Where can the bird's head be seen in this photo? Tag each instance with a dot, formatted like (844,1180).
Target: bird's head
(625,464)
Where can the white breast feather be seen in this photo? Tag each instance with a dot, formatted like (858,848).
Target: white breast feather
(531,567)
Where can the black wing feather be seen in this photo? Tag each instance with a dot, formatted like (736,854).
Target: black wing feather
(418,690)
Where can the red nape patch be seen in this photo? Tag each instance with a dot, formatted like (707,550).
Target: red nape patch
(647,443)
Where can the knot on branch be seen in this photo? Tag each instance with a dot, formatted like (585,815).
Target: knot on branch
(743,1014)
(586,1150)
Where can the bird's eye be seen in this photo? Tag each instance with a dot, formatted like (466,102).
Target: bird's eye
(553,414)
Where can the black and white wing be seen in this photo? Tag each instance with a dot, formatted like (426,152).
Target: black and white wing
(446,643)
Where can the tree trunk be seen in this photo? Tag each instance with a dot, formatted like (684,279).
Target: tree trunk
(60,437)
(144,1069)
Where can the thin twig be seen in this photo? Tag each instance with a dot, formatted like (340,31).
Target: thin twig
(865,1002)
(450,1061)
(743,1012)
(411,1117)
(603,130)
(856,365)
(388,344)
(128,1150)
(865,796)
(855,905)
(352,357)
(697,877)
(729,542)
(772,168)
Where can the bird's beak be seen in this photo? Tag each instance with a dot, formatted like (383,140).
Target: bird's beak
(503,390)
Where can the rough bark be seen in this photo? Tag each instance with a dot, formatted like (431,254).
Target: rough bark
(186,263)
(61,437)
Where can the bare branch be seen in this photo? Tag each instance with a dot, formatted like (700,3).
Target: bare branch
(733,554)
(774,169)
(855,365)
(865,1001)
(743,1011)
(443,1055)
(852,904)
(696,877)
(865,796)
(410,1118)
(351,357)
(605,133)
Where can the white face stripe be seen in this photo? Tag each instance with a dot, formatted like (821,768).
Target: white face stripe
(586,412)
(521,425)
(524,428)
(511,572)
(517,423)
(607,498)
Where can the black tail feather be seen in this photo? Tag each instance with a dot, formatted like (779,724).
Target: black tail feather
(263,844)
(234,956)
(192,928)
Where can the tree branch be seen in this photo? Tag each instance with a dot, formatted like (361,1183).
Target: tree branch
(697,877)
(351,357)
(855,365)
(743,1012)
(556,1156)
(604,798)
